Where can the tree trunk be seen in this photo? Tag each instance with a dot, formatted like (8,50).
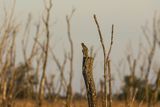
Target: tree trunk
(87,70)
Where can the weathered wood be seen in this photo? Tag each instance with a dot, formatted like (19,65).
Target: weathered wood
(87,71)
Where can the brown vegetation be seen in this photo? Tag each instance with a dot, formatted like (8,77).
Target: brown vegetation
(26,83)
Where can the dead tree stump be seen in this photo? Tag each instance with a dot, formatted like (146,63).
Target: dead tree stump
(87,71)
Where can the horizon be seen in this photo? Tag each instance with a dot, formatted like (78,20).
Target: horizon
(127,17)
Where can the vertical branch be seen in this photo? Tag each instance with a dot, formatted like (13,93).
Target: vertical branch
(150,60)
(34,51)
(46,23)
(25,39)
(156,90)
(106,64)
(110,85)
(6,28)
(111,43)
(69,87)
(9,63)
(87,70)
(61,67)
(105,61)
(109,69)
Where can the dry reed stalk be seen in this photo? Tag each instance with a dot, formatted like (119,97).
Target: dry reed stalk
(87,71)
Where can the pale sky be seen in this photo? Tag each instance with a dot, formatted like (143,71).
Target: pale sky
(127,15)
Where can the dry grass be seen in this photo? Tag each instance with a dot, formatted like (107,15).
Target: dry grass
(81,103)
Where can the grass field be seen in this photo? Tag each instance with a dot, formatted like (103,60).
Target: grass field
(28,103)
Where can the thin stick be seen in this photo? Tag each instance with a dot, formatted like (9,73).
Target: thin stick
(105,61)
(109,69)
(71,58)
